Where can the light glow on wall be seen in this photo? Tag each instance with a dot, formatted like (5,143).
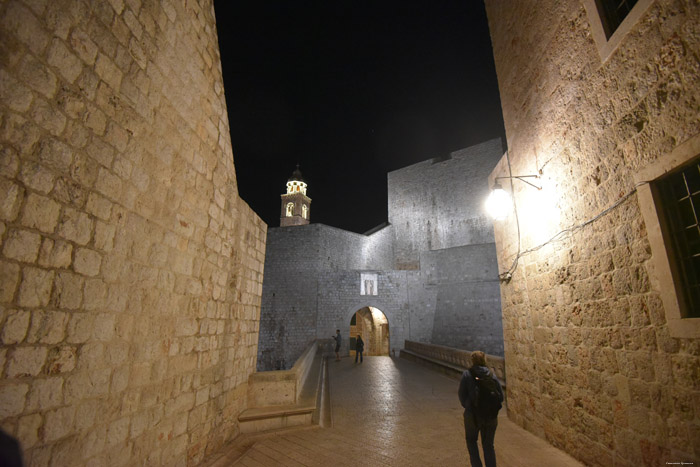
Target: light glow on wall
(539,213)
(377,316)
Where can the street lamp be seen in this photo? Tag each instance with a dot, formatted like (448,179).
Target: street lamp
(499,204)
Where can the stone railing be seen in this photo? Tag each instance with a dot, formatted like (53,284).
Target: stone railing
(455,360)
(285,398)
(281,387)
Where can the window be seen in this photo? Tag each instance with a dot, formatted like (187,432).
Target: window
(611,20)
(679,196)
(670,205)
(290,209)
(304,211)
(612,13)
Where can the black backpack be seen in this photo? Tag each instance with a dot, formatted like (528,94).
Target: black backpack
(488,399)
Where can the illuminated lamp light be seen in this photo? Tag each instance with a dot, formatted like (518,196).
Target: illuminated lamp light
(499,203)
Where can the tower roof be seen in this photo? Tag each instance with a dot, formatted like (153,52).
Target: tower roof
(296,176)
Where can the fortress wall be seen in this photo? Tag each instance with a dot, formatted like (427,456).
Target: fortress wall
(379,249)
(131,271)
(438,204)
(339,298)
(295,257)
(312,286)
(312,274)
(467,303)
(288,311)
(594,365)
(451,283)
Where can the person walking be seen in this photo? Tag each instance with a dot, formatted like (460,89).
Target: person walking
(338,341)
(481,395)
(359,348)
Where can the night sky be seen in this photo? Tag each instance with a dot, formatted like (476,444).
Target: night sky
(351,90)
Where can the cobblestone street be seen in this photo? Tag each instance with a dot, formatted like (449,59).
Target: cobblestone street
(390,412)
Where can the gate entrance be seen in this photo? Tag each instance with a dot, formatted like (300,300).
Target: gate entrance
(373,326)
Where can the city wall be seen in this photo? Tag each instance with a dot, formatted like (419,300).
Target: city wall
(435,264)
(592,363)
(130,270)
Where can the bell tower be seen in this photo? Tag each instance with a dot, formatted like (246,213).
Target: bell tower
(296,206)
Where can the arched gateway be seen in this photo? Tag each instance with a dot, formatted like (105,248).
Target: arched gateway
(372,324)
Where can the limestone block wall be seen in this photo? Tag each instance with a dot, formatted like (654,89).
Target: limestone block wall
(592,366)
(299,261)
(339,299)
(438,204)
(436,264)
(467,302)
(312,287)
(131,271)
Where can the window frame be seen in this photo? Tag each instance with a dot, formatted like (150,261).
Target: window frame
(662,271)
(607,46)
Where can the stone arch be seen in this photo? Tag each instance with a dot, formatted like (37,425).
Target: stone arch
(373,324)
(351,309)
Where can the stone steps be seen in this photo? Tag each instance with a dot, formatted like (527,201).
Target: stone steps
(260,419)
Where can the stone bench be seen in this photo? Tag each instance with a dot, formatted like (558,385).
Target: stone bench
(450,361)
(285,398)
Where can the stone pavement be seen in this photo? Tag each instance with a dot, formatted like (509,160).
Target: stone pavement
(389,412)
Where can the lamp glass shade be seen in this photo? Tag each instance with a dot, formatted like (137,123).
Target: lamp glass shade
(499,203)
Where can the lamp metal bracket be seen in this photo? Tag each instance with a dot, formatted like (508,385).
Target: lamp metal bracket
(522,179)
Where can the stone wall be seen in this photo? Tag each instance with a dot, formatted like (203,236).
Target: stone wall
(467,297)
(131,271)
(592,366)
(447,295)
(312,287)
(438,203)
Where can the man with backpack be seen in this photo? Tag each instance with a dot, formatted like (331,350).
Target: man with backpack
(481,396)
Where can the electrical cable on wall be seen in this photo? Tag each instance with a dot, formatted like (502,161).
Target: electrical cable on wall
(508,275)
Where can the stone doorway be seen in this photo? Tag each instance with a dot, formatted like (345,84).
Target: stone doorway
(373,326)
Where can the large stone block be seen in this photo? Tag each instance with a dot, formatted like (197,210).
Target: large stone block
(26,361)
(15,326)
(55,254)
(9,279)
(22,245)
(14,399)
(41,213)
(35,289)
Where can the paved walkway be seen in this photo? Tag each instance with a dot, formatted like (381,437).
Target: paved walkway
(390,412)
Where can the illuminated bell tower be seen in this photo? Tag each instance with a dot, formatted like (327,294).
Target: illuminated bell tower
(296,206)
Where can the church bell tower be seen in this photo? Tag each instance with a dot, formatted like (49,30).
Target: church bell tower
(296,206)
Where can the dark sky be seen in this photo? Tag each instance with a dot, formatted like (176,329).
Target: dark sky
(351,90)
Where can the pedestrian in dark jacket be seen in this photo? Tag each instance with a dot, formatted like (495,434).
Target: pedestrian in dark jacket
(474,419)
(338,341)
(359,348)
